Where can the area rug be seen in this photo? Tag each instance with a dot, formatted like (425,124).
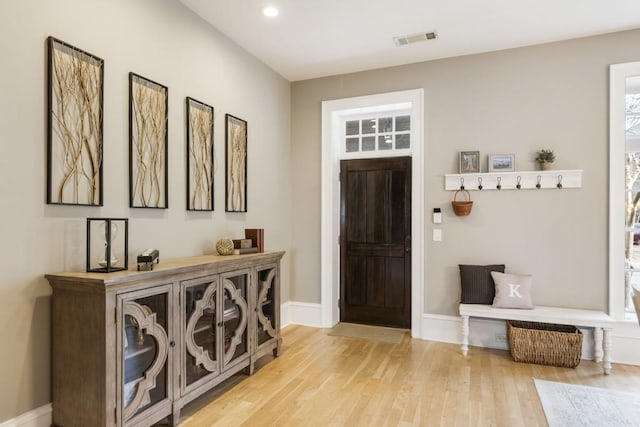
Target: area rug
(569,405)
(366,332)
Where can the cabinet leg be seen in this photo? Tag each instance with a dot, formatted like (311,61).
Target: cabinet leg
(174,419)
(249,370)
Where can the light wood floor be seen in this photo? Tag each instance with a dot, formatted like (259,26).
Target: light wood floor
(322,380)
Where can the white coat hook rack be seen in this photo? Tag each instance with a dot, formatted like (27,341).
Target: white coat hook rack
(523,180)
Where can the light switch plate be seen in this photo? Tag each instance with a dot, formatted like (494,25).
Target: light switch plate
(437,234)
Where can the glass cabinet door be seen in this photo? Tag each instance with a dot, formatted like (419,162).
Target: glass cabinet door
(145,350)
(266,305)
(235,342)
(200,322)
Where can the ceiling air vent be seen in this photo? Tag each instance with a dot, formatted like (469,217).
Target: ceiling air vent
(414,38)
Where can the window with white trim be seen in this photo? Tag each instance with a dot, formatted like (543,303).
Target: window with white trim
(624,188)
(632,189)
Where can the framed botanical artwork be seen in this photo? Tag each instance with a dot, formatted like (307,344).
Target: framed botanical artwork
(148,142)
(236,164)
(502,162)
(199,156)
(74,132)
(469,162)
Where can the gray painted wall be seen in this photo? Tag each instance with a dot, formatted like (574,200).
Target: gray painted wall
(161,40)
(516,101)
(519,100)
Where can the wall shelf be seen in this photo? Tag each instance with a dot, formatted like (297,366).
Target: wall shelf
(528,180)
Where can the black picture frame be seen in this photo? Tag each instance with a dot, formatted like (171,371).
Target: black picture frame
(236,138)
(75,103)
(148,143)
(200,155)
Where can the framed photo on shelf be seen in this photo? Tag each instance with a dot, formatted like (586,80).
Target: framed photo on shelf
(503,162)
(469,162)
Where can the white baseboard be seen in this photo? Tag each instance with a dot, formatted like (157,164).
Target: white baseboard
(39,417)
(438,327)
(482,332)
(486,333)
(301,313)
(626,343)
(285,314)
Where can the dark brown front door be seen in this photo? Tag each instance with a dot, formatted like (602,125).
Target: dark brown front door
(375,241)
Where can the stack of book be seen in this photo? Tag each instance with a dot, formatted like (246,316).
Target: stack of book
(253,242)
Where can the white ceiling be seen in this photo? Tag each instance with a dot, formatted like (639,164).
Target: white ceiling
(314,38)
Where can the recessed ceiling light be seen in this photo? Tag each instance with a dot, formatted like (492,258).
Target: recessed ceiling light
(270,11)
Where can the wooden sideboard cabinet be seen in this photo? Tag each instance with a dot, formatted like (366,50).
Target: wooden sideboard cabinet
(132,348)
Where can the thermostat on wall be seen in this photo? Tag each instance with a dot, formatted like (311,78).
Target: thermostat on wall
(437,216)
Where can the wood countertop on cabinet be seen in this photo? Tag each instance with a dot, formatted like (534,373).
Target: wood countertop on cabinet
(165,271)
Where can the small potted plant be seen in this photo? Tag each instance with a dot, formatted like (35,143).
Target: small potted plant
(545,158)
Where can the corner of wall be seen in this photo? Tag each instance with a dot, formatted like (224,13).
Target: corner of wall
(300,313)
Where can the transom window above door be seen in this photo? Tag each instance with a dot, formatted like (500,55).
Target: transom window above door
(377,134)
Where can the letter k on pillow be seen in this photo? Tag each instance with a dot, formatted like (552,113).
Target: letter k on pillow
(512,290)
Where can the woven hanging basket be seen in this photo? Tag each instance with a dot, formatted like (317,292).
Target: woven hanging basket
(462,207)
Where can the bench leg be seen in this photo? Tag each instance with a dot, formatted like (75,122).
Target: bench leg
(607,350)
(597,344)
(465,335)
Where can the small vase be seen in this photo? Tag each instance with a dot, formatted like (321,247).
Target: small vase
(545,166)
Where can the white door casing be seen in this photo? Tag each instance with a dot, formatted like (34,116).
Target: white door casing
(333,114)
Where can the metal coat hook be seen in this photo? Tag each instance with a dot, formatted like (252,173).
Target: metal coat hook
(480,183)
(538,185)
(462,183)
(559,185)
(518,186)
(499,186)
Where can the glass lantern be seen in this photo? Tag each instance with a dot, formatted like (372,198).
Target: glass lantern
(107,244)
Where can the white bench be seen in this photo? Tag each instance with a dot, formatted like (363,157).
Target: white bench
(601,323)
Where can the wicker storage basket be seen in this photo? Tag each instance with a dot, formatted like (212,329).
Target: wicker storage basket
(545,343)
(462,208)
